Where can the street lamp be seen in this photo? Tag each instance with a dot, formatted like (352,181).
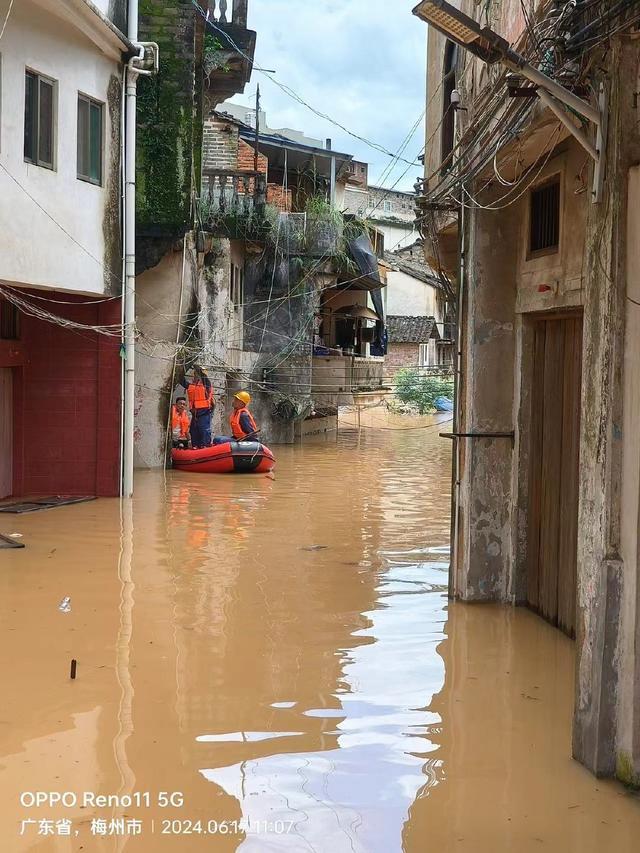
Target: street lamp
(490,47)
(463,30)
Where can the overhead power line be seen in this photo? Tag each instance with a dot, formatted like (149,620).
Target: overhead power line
(6,20)
(291,93)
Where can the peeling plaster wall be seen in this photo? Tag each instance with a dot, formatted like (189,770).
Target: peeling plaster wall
(483,570)
(595,268)
(628,747)
(204,326)
(601,625)
(158,305)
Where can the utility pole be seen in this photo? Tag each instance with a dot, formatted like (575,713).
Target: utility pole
(332,197)
(255,157)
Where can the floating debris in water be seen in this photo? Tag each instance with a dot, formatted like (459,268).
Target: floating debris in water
(16,535)
(283,705)
(314,548)
(65,605)
(74,665)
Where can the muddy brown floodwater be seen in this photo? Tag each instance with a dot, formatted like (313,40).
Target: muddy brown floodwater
(282,652)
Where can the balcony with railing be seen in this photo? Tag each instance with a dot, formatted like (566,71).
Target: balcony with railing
(228,12)
(233,201)
(229,49)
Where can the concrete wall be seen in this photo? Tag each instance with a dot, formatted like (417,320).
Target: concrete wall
(158,309)
(406,296)
(396,235)
(628,717)
(41,204)
(594,269)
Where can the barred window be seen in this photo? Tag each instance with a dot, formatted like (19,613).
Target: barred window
(544,225)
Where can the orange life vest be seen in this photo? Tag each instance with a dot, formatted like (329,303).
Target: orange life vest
(236,430)
(180,420)
(199,397)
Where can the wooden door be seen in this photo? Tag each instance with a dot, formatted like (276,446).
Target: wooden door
(6,432)
(554,461)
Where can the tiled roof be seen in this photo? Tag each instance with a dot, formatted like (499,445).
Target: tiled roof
(410,330)
(411,261)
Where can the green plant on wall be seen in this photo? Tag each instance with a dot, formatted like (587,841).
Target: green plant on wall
(168,120)
(214,57)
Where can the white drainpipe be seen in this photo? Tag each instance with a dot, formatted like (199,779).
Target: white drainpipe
(129,296)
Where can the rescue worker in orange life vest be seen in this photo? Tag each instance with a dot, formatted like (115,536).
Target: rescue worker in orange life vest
(241,421)
(201,403)
(180,422)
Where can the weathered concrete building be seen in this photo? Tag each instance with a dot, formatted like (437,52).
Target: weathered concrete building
(301,330)
(392,211)
(548,471)
(182,285)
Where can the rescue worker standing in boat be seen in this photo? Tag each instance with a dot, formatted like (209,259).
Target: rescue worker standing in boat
(242,422)
(201,403)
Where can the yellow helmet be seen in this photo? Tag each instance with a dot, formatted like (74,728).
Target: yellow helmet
(244,397)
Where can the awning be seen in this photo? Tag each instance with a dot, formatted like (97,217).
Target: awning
(360,312)
(366,261)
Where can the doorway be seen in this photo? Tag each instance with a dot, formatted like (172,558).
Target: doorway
(6,432)
(554,469)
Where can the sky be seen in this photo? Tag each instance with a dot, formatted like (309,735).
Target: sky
(360,61)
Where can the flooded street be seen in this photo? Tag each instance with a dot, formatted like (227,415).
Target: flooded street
(282,652)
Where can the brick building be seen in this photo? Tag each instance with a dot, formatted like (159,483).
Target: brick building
(412,343)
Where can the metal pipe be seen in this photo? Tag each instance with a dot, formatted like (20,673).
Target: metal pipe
(132,21)
(565,118)
(456,490)
(518,63)
(130,256)
(123,91)
(130,281)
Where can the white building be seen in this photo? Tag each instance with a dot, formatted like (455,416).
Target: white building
(61,65)
(60,146)
(391,211)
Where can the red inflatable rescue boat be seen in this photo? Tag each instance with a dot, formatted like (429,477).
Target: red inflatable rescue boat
(234,457)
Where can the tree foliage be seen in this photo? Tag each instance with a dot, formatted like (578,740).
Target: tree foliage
(422,390)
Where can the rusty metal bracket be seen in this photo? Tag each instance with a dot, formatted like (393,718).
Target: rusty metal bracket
(456,435)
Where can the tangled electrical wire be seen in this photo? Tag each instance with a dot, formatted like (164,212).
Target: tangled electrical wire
(561,44)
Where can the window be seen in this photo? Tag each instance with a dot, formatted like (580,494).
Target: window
(38,119)
(423,358)
(544,219)
(9,327)
(89,140)
(386,206)
(447,133)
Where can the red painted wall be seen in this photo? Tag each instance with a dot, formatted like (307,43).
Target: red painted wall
(67,402)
